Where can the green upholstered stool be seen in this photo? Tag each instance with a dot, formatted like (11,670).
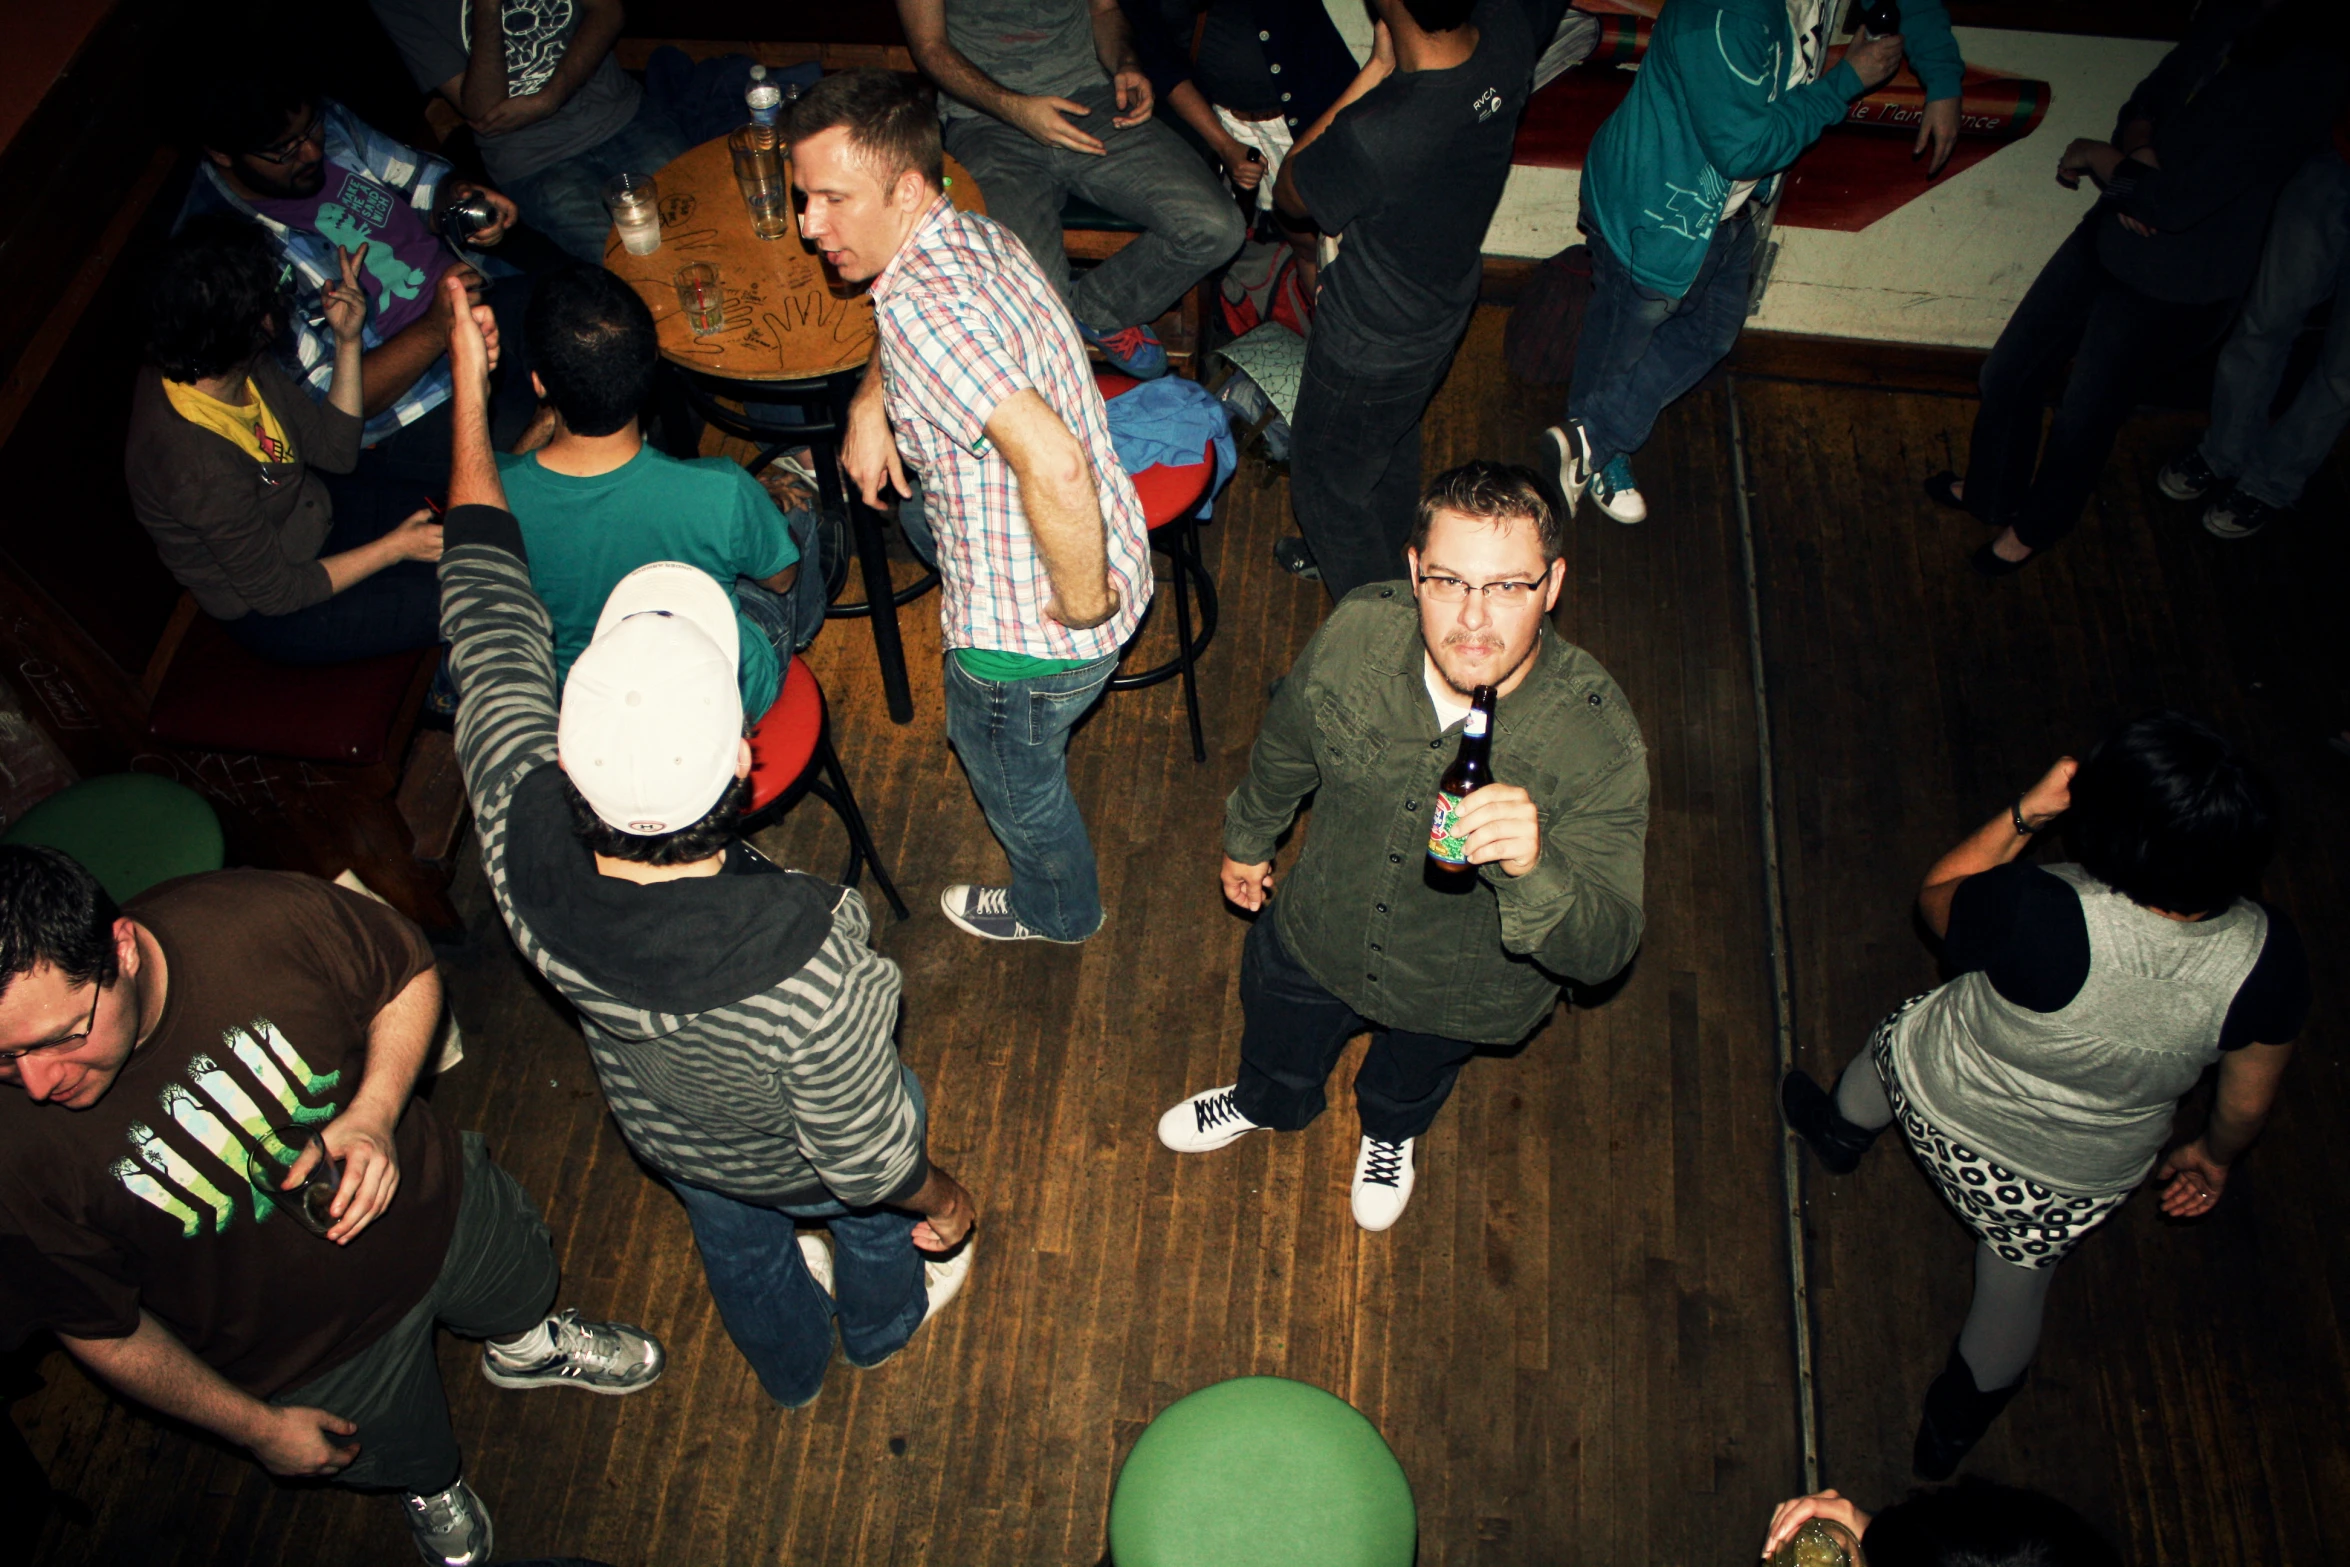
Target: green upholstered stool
(131,830)
(1262,1472)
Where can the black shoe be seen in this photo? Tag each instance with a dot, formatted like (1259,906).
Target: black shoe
(1294,557)
(1956,1415)
(2187,477)
(1811,1113)
(1942,490)
(1988,562)
(2237,515)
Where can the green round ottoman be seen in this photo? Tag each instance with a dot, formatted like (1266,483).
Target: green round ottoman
(131,830)
(1262,1470)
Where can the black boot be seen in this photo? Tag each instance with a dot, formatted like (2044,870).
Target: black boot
(1811,1111)
(1957,1414)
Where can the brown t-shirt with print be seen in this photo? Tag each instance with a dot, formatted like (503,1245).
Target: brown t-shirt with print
(163,1195)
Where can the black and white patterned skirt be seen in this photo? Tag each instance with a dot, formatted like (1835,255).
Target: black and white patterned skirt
(2028,1224)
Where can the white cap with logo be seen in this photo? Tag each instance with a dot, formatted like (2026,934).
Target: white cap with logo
(652,716)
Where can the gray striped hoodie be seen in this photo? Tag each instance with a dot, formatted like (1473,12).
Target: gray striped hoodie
(741,1024)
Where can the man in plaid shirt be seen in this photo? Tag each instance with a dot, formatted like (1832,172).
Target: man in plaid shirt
(319,179)
(1033,524)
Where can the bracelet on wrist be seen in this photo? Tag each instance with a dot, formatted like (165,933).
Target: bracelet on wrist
(2015,814)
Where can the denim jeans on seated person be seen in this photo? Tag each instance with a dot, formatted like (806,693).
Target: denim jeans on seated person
(772,1307)
(565,201)
(1144,173)
(1640,350)
(2307,258)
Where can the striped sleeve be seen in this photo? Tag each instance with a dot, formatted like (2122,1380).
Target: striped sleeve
(501,647)
(856,1123)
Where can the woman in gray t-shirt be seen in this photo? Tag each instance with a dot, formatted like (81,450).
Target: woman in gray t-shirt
(2037,1086)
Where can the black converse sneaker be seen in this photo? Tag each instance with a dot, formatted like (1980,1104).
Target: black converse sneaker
(1383,1182)
(602,1357)
(2187,477)
(1205,1122)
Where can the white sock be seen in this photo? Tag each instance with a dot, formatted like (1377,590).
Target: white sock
(534,1346)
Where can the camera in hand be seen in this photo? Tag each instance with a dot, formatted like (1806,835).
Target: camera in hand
(467,216)
(1448,867)
(1877,18)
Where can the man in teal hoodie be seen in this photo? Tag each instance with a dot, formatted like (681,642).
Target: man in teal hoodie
(1729,93)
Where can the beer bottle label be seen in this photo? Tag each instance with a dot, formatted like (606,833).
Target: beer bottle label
(1444,841)
(1473,725)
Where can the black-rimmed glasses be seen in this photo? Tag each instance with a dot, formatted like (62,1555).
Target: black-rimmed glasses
(11,1057)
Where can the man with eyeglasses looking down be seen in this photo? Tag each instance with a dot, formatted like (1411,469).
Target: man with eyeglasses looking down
(1366,722)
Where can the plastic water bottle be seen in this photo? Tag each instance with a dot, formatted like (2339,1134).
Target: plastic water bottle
(765,98)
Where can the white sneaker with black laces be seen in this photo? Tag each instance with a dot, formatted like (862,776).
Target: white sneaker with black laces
(1205,1122)
(451,1528)
(602,1357)
(1564,452)
(1383,1182)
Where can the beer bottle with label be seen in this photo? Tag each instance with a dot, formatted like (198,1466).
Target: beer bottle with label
(1449,869)
(1876,18)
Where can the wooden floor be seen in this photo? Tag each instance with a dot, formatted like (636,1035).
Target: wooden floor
(1580,1340)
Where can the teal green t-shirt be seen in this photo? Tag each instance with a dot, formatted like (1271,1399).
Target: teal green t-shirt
(584,535)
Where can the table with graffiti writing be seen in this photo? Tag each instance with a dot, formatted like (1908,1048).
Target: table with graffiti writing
(781,368)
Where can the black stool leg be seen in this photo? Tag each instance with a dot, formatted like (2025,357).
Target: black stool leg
(836,793)
(1182,555)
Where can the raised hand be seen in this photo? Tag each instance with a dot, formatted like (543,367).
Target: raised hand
(344,303)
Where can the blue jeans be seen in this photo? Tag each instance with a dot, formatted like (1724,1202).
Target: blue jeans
(391,611)
(774,1311)
(1013,736)
(1144,174)
(2307,258)
(1641,349)
(565,201)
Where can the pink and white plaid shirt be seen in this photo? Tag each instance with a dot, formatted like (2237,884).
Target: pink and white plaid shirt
(966,320)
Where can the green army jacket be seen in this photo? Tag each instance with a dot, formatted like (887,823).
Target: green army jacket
(1352,725)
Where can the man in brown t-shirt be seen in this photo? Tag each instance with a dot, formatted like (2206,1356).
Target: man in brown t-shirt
(185,1065)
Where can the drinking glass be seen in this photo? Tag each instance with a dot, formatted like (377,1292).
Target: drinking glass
(701,295)
(635,203)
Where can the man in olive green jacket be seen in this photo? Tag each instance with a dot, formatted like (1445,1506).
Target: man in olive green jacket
(1359,938)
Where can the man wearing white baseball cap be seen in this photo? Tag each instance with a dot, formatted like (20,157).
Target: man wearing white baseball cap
(741,1024)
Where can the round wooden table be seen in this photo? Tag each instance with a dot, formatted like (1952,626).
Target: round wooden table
(788,318)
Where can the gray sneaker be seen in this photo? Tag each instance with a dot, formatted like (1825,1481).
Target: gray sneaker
(987,911)
(602,1357)
(452,1528)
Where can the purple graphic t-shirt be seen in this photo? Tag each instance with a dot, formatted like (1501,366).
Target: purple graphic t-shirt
(403,259)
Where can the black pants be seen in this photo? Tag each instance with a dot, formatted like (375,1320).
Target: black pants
(1295,1033)
(1354,470)
(2113,334)
(392,611)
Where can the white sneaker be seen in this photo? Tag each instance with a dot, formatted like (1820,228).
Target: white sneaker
(602,1357)
(1564,451)
(987,911)
(1383,1182)
(1205,1122)
(452,1528)
(816,1252)
(1617,493)
(943,1281)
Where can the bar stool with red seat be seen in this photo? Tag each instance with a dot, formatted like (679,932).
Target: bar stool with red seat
(1170,494)
(791,755)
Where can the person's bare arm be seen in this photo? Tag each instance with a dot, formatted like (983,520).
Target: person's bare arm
(947,1212)
(418,537)
(1375,70)
(868,450)
(1995,843)
(479,92)
(2195,1174)
(1113,45)
(396,364)
(781,582)
(151,1365)
(362,1136)
(473,350)
(1044,119)
(1239,160)
(1064,510)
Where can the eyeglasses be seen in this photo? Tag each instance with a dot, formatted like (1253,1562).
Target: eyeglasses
(288,150)
(67,1042)
(1508,593)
